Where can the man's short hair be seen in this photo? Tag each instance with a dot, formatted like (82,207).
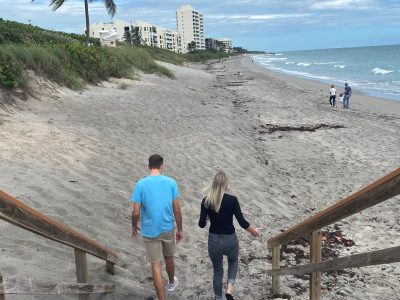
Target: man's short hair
(155,161)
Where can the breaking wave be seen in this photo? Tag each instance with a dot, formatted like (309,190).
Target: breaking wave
(380,71)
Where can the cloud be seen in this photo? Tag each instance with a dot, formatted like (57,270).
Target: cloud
(260,17)
(343,4)
(279,16)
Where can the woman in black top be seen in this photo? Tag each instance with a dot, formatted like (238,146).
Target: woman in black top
(219,208)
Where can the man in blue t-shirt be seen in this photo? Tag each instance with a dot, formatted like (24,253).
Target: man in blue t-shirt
(155,199)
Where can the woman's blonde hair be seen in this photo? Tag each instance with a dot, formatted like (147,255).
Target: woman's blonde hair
(216,191)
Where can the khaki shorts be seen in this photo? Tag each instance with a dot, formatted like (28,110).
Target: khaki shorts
(162,245)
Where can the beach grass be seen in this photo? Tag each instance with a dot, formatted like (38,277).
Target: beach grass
(73,65)
(180,59)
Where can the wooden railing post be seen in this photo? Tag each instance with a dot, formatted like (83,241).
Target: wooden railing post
(2,295)
(276,258)
(81,269)
(315,256)
(81,266)
(110,267)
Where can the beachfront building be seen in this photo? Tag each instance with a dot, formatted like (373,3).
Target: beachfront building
(108,38)
(211,43)
(157,36)
(225,44)
(190,25)
(97,30)
(151,35)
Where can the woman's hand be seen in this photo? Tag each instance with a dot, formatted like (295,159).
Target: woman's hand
(254,231)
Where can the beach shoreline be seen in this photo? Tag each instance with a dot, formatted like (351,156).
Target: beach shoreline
(380,104)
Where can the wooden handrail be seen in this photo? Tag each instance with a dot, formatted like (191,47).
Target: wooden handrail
(381,190)
(21,215)
(385,256)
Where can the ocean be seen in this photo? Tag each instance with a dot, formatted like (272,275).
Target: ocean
(373,71)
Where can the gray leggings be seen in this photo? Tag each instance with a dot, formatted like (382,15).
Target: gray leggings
(218,246)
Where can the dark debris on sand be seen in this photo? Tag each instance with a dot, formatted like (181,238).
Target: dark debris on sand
(333,240)
(271,128)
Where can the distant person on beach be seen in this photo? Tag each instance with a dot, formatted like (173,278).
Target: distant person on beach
(347,95)
(220,208)
(155,200)
(332,95)
(341,98)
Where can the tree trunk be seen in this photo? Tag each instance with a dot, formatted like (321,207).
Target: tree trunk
(87,33)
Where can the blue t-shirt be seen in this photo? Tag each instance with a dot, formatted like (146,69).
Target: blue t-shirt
(155,194)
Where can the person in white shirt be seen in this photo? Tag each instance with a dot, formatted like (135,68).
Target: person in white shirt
(332,97)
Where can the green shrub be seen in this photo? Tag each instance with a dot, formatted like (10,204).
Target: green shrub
(10,70)
(14,32)
(204,55)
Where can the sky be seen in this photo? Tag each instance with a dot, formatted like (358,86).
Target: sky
(268,25)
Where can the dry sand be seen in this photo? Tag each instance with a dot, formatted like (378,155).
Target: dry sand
(75,157)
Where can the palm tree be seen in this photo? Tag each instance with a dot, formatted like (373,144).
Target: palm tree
(109,4)
(191,46)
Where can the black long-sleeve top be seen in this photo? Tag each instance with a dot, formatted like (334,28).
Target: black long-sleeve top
(222,222)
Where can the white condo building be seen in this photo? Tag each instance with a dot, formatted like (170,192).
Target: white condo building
(99,29)
(227,44)
(190,25)
(151,35)
(157,36)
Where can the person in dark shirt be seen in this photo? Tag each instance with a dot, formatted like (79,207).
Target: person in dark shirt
(347,95)
(220,208)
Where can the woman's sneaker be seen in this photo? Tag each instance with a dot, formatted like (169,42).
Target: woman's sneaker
(171,287)
(229,296)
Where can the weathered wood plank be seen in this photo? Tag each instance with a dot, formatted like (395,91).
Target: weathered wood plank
(81,270)
(381,190)
(2,297)
(110,267)
(21,215)
(315,256)
(32,287)
(276,260)
(385,256)
(81,266)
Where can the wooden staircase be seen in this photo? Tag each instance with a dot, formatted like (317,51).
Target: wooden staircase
(375,193)
(19,214)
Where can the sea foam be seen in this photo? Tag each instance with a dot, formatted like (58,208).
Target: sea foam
(325,63)
(303,64)
(380,71)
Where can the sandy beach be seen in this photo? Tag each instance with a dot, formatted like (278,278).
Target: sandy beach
(75,156)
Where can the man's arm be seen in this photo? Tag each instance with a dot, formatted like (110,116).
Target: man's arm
(178,219)
(135,219)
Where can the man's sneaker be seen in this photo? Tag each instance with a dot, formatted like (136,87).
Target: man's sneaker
(171,287)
